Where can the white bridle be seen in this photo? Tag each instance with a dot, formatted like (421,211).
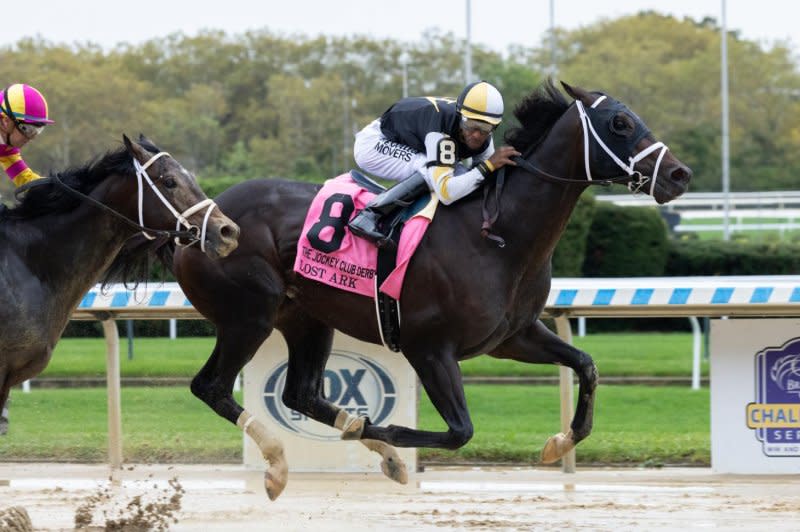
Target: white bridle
(633,186)
(181,217)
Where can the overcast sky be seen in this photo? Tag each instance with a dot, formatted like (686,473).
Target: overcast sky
(495,23)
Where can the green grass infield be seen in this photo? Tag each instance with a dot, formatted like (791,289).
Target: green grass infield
(619,354)
(635,425)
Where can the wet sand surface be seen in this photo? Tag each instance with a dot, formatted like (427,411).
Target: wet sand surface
(229,497)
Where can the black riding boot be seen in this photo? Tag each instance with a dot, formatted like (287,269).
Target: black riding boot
(367,223)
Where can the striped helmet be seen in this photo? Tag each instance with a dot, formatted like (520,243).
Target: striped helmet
(481,101)
(23,103)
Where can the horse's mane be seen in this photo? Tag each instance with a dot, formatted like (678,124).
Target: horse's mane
(134,262)
(45,197)
(536,114)
(141,259)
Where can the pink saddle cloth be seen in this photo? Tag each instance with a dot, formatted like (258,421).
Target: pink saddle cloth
(329,254)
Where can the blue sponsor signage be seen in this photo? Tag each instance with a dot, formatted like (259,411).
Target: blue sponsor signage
(353,382)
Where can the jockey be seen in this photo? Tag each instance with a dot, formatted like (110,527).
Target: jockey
(23,115)
(421,142)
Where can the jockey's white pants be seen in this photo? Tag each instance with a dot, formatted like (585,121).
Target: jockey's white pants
(377,155)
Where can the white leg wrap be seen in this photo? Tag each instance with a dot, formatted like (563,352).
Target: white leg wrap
(350,425)
(270,446)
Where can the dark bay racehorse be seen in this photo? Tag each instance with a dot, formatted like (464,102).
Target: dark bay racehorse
(463,295)
(56,244)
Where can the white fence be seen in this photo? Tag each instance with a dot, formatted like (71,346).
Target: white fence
(771,201)
(777,210)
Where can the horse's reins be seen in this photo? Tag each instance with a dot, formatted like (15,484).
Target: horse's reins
(191,232)
(634,185)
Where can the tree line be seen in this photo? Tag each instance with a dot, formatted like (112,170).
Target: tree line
(262,104)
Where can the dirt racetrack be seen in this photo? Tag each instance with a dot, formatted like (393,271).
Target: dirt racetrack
(230,497)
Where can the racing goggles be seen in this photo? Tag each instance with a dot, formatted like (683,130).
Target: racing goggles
(470,125)
(29,130)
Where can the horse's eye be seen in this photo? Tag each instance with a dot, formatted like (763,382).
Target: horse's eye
(621,125)
(170,182)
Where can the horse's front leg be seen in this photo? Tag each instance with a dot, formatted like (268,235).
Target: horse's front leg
(214,385)
(309,343)
(536,344)
(241,303)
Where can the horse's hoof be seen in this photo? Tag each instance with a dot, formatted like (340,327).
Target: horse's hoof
(354,429)
(395,469)
(273,486)
(556,447)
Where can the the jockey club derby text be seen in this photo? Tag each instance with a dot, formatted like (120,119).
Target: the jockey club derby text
(338,271)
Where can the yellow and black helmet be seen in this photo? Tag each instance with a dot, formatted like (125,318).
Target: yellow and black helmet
(481,101)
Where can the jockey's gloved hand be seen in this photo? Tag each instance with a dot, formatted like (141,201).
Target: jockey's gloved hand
(503,156)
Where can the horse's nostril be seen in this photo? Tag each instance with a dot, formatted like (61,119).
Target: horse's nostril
(682,173)
(229,231)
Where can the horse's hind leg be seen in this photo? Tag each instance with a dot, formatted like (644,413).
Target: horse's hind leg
(536,344)
(309,344)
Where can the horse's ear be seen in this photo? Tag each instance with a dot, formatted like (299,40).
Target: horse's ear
(577,93)
(134,149)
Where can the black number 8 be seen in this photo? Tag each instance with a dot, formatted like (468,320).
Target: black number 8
(326,220)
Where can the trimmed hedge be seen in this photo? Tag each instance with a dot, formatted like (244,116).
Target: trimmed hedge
(717,257)
(569,254)
(626,242)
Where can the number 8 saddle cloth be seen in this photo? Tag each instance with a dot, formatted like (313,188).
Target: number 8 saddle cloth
(328,253)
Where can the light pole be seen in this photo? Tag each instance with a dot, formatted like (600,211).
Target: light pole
(468,50)
(553,67)
(726,170)
(404,63)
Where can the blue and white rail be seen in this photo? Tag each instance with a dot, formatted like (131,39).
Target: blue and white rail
(676,296)
(147,301)
(571,297)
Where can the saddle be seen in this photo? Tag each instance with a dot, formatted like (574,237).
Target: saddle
(367,182)
(327,254)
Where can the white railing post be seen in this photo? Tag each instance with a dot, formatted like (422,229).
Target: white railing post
(696,337)
(565,385)
(114,395)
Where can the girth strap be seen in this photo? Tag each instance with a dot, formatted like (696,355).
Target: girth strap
(388,308)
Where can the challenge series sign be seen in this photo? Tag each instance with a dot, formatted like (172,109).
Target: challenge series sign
(362,378)
(353,382)
(775,414)
(755,396)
